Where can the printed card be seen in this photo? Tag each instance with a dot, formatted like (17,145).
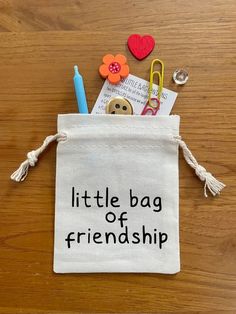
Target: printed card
(134,89)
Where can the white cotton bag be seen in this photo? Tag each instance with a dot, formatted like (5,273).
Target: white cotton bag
(117,193)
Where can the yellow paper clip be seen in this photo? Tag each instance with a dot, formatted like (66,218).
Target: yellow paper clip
(160,75)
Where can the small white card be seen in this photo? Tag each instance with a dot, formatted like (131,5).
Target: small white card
(135,89)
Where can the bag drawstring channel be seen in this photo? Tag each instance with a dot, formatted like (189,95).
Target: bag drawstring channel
(211,183)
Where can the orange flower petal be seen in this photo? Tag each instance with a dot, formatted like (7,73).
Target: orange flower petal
(103,70)
(107,59)
(124,70)
(114,78)
(120,59)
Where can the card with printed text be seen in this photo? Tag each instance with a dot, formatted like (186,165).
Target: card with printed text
(135,90)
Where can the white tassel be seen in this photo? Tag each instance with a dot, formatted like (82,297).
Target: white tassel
(211,183)
(32,157)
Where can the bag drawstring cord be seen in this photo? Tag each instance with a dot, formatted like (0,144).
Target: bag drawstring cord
(211,183)
(32,157)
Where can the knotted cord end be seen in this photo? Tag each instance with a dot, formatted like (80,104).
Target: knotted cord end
(32,157)
(211,183)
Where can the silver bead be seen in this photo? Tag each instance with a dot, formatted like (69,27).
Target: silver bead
(180,76)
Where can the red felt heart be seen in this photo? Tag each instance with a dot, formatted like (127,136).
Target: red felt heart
(141,46)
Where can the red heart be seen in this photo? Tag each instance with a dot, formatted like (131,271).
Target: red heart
(141,46)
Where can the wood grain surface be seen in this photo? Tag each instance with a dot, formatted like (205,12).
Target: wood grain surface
(40,41)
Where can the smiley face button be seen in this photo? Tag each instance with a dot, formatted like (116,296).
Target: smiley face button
(119,105)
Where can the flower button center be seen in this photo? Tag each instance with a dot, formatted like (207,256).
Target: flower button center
(114,67)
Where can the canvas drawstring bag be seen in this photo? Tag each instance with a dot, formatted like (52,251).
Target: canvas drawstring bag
(117,192)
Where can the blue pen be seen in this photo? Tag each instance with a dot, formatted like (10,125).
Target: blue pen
(80,92)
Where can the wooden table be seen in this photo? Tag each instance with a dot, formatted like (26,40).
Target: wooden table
(40,42)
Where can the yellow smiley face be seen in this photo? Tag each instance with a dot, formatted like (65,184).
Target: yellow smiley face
(119,105)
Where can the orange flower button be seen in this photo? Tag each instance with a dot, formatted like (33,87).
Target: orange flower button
(114,68)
